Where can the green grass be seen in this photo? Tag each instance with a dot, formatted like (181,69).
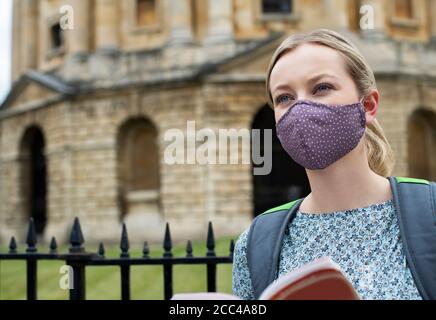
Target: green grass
(103,283)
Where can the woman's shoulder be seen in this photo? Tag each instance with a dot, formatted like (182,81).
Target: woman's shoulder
(241,282)
(242,238)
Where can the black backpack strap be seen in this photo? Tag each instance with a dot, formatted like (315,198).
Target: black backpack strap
(264,244)
(415,201)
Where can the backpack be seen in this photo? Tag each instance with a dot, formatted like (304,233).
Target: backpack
(415,203)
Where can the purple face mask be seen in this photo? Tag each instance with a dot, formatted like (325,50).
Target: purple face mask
(316,135)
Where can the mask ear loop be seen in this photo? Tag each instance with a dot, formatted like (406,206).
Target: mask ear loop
(361,102)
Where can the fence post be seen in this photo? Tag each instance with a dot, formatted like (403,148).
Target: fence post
(125,268)
(146,250)
(168,267)
(189,249)
(76,240)
(31,263)
(53,246)
(211,267)
(13,246)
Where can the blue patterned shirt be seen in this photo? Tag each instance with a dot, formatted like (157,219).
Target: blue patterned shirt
(365,242)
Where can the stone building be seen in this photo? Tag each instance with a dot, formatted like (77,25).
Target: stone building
(82,131)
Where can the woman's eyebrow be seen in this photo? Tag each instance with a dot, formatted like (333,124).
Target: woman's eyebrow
(310,81)
(282,86)
(321,76)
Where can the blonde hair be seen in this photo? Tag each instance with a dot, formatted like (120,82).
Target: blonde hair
(381,158)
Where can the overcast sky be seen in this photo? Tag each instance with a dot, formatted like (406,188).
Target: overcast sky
(5,47)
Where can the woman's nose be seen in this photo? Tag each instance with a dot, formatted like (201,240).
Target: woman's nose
(301,96)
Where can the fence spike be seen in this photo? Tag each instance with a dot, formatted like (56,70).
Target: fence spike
(53,245)
(31,237)
(146,250)
(232,247)
(124,243)
(13,245)
(189,249)
(210,241)
(76,238)
(101,249)
(167,242)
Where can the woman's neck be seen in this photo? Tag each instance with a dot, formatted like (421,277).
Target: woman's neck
(346,184)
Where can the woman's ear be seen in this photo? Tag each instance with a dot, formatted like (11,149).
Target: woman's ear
(370,104)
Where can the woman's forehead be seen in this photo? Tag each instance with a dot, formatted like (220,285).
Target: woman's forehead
(306,61)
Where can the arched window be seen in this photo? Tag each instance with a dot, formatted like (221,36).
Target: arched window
(139,155)
(138,164)
(33,177)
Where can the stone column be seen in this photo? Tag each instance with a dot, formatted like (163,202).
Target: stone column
(180,21)
(104,63)
(78,38)
(220,22)
(75,66)
(245,20)
(336,14)
(107,25)
(29,34)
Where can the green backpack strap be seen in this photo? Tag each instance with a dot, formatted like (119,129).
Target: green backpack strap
(415,203)
(264,244)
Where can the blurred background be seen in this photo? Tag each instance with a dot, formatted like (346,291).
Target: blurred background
(95,84)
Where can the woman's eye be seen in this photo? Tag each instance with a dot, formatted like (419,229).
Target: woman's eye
(283,99)
(322,88)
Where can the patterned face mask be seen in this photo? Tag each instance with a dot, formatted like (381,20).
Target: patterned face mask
(316,135)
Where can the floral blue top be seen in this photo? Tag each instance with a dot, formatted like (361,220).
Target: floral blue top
(365,242)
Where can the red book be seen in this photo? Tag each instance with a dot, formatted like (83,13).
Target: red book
(321,279)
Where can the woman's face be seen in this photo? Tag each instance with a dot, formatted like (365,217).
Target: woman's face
(311,72)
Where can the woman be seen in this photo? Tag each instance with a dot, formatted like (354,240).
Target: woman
(325,101)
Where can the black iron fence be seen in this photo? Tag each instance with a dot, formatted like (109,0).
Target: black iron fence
(78,259)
